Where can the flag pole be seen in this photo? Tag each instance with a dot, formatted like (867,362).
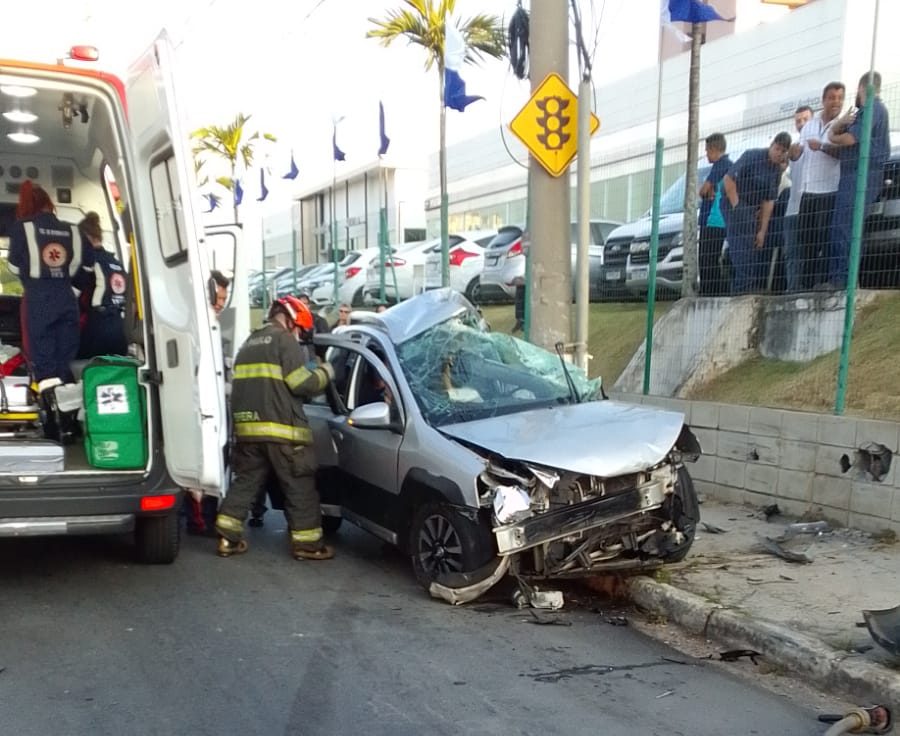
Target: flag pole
(654,228)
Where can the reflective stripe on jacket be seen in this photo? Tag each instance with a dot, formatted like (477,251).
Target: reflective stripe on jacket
(270,382)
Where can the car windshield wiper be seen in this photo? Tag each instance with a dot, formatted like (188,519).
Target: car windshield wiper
(576,399)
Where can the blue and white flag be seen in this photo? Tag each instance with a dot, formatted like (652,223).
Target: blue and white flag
(263,191)
(687,11)
(385,141)
(337,152)
(292,174)
(238,192)
(455,96)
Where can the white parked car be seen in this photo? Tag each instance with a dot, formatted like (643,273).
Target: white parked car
(406,265)
(466,262)
(353,271)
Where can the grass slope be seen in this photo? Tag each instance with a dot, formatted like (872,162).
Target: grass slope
(872,381)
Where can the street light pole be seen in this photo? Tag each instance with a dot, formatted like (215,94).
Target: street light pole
(550,291)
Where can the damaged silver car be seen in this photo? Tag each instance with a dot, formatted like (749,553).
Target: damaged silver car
(482,455)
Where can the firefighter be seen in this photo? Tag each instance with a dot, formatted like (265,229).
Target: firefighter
(102,297)
(48,255)
(271,380)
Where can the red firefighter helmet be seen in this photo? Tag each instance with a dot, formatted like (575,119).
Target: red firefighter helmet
(296,311)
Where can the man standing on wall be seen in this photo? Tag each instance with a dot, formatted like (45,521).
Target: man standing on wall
(846,133)
(712,232)
(821,174)
(789,224)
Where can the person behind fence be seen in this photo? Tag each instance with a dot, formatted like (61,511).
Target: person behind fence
(790,221)
(821,172)
(750,187)
(102,299)
(712,226)
(272,434)
(47,255)
(846,133)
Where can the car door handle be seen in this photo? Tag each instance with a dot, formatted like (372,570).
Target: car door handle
(337,435)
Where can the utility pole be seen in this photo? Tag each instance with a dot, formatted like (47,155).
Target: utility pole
(550,289)
(689,228)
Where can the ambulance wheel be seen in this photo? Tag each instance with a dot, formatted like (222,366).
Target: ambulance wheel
(157,538)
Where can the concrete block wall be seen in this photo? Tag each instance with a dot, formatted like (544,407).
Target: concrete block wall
(760,456)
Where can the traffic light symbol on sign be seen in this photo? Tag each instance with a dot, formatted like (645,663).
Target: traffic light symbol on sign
(553,122)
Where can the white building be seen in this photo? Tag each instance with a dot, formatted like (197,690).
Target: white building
(753,76)
(345,211)
(755,72)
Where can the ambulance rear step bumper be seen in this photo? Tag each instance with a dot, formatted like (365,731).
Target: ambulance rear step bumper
(66,525)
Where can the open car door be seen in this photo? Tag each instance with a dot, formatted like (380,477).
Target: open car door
(186,340)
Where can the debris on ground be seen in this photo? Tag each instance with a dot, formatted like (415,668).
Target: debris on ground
(771,510)
(884,628)
(526,595)
(712,528)
(617,621)
(733,655)
(806,527)
(771,545)
(537,618)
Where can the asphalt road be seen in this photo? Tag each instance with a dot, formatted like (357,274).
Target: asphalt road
(95,644)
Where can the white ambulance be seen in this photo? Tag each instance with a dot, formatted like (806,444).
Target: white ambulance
(96,143)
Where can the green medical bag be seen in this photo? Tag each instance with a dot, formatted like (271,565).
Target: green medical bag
(115,414)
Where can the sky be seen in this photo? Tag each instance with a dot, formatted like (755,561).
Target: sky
(296,67)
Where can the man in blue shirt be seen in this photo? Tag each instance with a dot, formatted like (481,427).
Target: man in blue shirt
(751,187)
(846,133)
(712,233)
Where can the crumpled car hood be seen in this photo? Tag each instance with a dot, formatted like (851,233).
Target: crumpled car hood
(601,438)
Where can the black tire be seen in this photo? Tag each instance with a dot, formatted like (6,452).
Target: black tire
(330,525)
(683,509)
(442,540)
(358,299)
(157,538)
(473,290)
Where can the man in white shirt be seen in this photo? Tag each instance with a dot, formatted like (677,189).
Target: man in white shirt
(802,115)
(821,174)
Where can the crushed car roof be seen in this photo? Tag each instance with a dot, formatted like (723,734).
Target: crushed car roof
(412,317)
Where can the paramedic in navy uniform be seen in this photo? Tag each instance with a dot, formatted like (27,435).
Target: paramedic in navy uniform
(102,297)
(47,254)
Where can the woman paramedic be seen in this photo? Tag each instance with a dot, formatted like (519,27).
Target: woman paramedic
(102,297)
(47,254)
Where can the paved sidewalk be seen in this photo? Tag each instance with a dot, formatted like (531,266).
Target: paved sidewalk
(801,616)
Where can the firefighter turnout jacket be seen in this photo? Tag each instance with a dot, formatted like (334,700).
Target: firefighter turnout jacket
(271,378)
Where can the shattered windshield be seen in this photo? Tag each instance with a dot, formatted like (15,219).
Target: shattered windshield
(459,372)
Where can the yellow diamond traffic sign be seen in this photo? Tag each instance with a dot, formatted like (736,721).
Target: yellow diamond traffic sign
(547,125)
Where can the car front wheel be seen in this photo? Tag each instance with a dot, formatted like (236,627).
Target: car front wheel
(443,541)
(683,508)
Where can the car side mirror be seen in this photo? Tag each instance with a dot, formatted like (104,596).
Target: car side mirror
(371,416)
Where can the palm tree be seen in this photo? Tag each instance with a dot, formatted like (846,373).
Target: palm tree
(422,23)
(231,143)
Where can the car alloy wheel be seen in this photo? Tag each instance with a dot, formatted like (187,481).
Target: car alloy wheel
(445,540)
(438,546)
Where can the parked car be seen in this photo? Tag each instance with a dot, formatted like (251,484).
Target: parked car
(476,452)
(627,250)
(288,282)
(466,262)
(407,266)
(354,273)
(880,265)
(504,268)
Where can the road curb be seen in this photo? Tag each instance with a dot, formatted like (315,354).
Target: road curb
(863,682)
